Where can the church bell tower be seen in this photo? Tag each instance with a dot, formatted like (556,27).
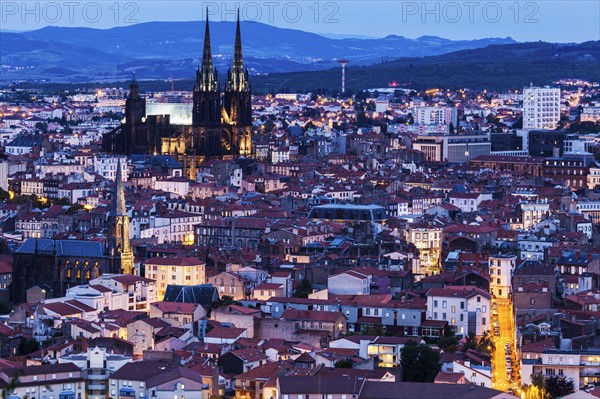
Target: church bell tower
(237,101)
(119,246)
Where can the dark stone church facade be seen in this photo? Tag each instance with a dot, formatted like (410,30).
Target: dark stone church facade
(221,125)
(57,265)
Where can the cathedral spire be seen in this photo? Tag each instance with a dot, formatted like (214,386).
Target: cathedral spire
(118,198)
(134,91)
(119,246)
(206,79)
(238,77)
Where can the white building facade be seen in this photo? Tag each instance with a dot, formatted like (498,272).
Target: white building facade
(541,107)
(501,269)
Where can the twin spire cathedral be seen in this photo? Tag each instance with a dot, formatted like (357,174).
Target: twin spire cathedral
(224,120)
(220,125)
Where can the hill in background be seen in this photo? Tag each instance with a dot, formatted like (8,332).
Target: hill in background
(161,50)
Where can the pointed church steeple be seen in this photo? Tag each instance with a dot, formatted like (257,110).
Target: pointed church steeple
(134,90)
(119,246)
(118,207)
(237,79)
(206,78)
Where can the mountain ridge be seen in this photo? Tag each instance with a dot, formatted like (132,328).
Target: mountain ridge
(495,67)
(178,45)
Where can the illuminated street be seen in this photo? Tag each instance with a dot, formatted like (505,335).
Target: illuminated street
(504,377)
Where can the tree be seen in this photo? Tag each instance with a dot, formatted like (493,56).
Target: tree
(420,363)
(13,383)
(41,126)
(20,199)
(304,289)
(28,346)
(5,308)
(225,300)
(61,201)
(483,344)
(486,343)
(559,386)
(535,392)
(448,344)
(74,209)
(470,342)
(537,389)
(343,364)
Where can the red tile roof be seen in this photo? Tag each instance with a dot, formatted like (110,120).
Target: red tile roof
(175,307)
(178,261)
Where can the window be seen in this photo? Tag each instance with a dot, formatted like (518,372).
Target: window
(532,301)
(443,316)
(453,309)
(435,304)
(444,304)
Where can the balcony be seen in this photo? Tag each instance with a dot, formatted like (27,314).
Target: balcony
(95,386)
(127,392)
(97,376)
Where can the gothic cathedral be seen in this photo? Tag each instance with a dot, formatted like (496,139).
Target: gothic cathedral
(57,265)
(221,123)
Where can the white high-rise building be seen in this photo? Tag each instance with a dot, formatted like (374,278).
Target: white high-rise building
(541,107)
(436,116)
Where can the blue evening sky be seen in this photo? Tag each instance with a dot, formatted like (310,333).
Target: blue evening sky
(547,20)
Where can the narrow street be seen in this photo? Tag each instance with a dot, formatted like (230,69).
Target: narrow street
(505,364)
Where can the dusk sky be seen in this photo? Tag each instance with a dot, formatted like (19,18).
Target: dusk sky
(547,20)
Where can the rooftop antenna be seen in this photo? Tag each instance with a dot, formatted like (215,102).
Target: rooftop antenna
(343,62)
